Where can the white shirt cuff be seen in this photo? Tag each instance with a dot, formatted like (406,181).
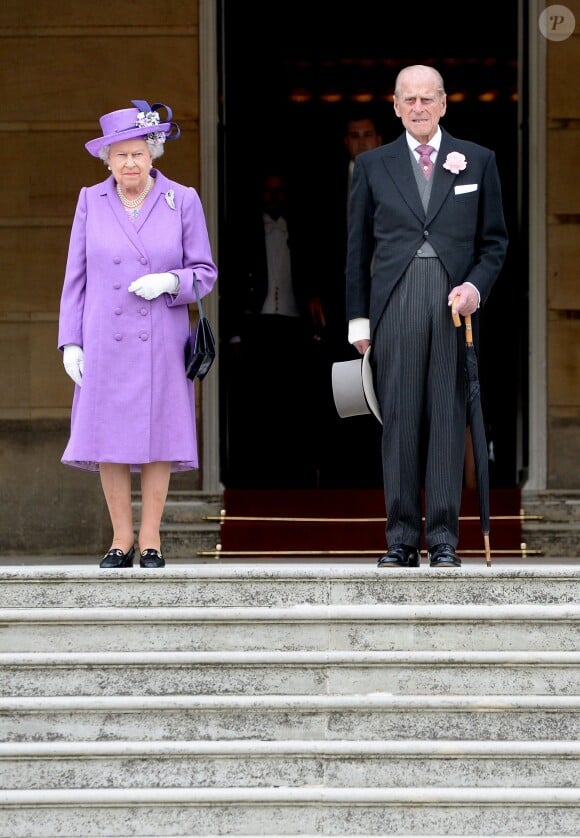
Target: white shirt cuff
(359,329)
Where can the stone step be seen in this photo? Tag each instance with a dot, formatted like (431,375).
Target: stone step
(282,586)
(296,628)
(321,699)
(342,764)
(359,716)
(188,541)
(553,528)
(186,529)
(553,539)
(290,673)
(186,507)
(319,811)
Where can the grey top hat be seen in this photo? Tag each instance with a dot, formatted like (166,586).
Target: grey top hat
(353,388)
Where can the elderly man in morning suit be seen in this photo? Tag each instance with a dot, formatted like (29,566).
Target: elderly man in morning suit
(426,231)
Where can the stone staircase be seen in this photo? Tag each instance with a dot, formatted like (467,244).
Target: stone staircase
(554,528)
(186,528)
(297,699)
(192,528)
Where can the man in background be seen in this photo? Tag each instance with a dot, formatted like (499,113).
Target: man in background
(274,316)
(360,133)
(350,447)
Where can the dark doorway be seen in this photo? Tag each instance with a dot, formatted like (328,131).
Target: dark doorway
(290,71)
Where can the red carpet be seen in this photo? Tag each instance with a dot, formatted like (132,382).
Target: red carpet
(348,521)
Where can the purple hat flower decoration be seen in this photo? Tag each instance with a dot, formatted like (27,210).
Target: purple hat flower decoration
(142,120)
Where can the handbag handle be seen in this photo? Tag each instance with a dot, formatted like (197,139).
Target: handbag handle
(198,298)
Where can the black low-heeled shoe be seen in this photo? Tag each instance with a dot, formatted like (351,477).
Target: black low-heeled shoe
(116,558)
(151,558)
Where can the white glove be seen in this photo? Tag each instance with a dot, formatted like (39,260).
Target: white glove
(73,359)
(151,286)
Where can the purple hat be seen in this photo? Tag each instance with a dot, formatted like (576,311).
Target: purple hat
(128,123)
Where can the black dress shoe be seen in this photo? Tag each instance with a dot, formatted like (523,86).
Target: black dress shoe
(400,555)
(444,555)
(151,558)
(116,558)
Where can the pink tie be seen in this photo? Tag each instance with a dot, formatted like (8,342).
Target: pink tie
(425,161)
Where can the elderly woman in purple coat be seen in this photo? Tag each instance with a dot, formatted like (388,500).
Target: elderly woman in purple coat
(138,243)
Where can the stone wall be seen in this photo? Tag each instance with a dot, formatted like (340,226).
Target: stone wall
(563,261)
(63,65)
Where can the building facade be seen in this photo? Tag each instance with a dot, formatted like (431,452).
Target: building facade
(63,66)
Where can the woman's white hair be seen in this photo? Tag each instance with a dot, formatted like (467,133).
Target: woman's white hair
(156,150)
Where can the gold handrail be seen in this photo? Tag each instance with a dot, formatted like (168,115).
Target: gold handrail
(223,516)
(522,552)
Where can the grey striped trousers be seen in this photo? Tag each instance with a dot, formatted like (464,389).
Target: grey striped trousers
(420,383)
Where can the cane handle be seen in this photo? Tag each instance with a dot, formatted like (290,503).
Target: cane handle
(455,315)
(457,322)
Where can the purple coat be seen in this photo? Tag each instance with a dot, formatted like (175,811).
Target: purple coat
(136,404)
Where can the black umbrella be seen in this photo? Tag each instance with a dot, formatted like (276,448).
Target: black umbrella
(478,435)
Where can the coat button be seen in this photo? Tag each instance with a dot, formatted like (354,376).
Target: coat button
(143,260)
(117,260)
(118,337)
(144,312)
(118,311)
(144,336)
(116,285)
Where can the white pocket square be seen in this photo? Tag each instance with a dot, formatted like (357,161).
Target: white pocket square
(466,187)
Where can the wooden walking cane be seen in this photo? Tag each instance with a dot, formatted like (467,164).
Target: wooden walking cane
(478,437)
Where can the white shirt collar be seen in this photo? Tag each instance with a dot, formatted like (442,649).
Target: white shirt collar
(435,141)
(271,224)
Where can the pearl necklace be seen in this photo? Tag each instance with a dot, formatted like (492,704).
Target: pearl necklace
(130,203)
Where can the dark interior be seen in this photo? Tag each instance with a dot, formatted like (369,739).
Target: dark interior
(290,70)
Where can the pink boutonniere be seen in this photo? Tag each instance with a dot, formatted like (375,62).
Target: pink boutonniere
(455,162)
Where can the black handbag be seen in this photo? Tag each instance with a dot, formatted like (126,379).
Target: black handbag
(200,345)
